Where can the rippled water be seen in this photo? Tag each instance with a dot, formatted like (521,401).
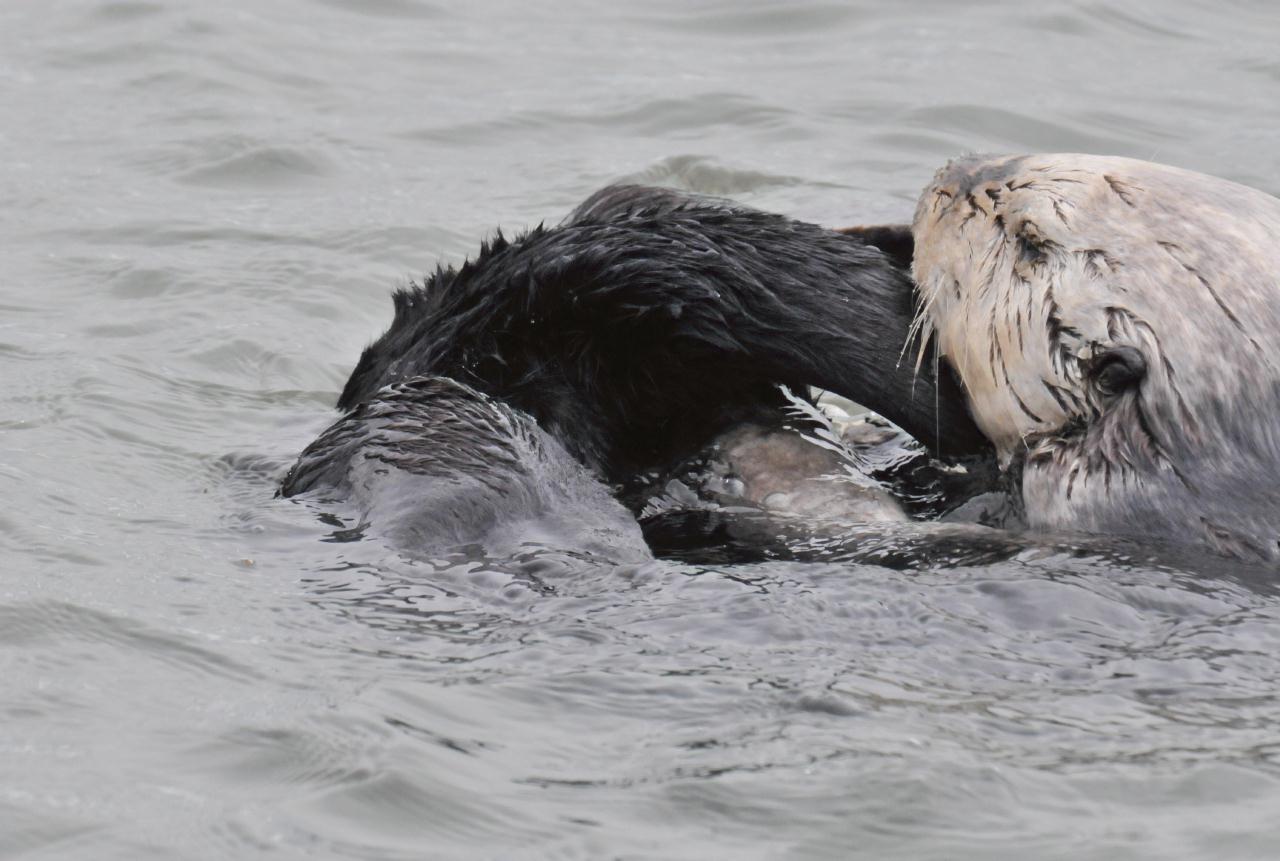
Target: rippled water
(205,207)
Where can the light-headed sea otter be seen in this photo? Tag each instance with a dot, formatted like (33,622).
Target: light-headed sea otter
(1114,323)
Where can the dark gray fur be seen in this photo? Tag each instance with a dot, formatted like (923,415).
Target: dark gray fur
(650,321)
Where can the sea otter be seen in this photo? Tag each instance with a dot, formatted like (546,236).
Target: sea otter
(630,336)
(1113,323)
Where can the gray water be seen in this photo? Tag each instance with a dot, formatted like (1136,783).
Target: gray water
(204,209)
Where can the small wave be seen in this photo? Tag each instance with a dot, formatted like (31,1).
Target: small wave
(129,10)
(42,624)
(399,9)
(656,117)
(754,21)
(978,127)
(274,166)
(702,175)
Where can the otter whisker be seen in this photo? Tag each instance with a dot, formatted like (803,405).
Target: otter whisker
(1022,405)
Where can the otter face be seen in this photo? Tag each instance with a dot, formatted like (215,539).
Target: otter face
(1114,325)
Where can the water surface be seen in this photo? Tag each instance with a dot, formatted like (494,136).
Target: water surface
(205,209)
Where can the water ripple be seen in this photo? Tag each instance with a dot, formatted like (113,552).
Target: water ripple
(44,624)
(702,175)
(654,117)
(766,21)
(208,205)
(394,9)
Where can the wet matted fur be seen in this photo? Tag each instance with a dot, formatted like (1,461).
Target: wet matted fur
(651,320)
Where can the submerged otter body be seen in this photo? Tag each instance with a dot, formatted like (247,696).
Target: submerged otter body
(625,340)
(1114,326)
(438,465)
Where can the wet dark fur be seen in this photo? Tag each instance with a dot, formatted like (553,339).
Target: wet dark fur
(429,426)
(650,321)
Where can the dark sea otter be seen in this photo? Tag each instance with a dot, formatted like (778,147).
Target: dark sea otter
(630,337)
(1115,325)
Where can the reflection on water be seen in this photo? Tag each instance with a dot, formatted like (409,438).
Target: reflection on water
(206,208)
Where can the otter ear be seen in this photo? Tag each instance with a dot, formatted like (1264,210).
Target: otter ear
(895,240)
(1117,369)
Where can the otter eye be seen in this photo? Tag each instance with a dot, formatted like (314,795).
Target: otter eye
(1117,369)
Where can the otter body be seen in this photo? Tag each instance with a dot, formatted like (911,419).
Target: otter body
(437,465)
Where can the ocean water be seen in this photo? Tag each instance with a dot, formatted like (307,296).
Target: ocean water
(205,207)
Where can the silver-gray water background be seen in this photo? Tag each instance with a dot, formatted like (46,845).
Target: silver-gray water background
(203,208)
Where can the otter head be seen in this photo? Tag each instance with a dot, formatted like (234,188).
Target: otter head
(1114,324)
